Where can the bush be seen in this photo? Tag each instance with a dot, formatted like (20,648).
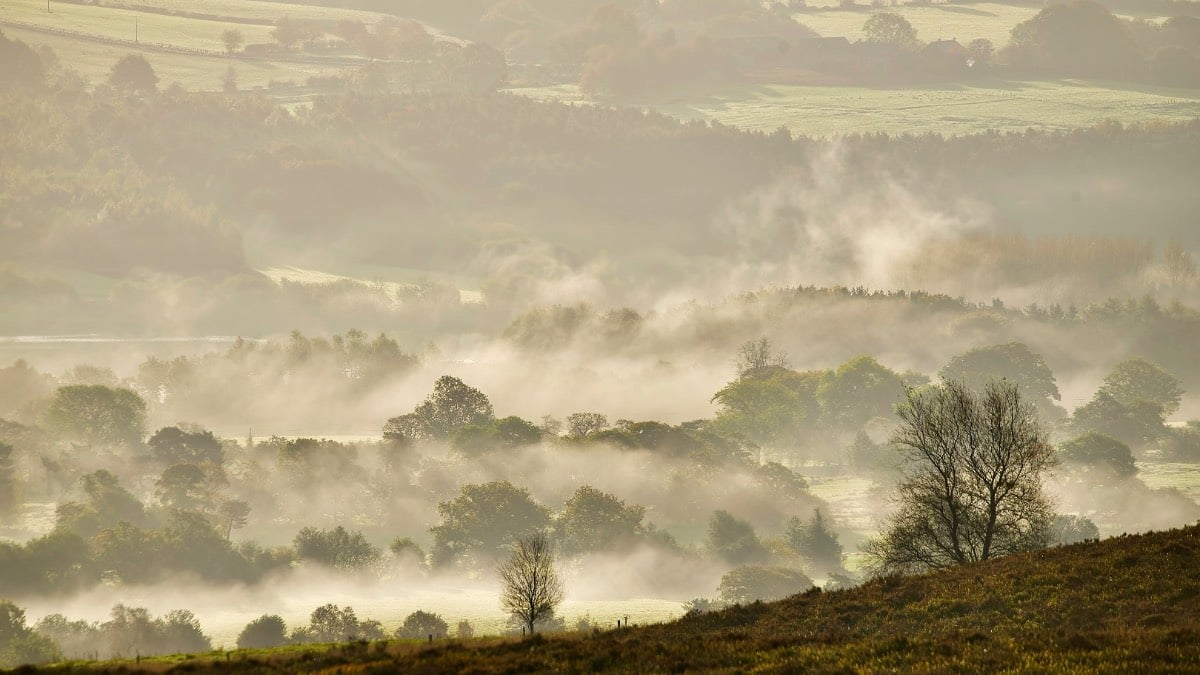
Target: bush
(1072,529)
(134,73)
(815,541)
(264,632)
(420,625)
(753,582)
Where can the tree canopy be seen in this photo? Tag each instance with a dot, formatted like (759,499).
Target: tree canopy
(479,525)
(134,73)
(97,415)
(890,28)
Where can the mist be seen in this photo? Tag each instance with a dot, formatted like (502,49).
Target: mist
(340,303)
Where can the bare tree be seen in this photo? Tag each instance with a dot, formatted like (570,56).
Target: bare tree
(531,587)
(579,425)
(1181,267)
(972,488)
(755,354)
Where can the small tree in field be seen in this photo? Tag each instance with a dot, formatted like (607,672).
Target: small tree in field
(891,28)
(972,487)
(420,624)
(134,73)
(530,587)
(233,40)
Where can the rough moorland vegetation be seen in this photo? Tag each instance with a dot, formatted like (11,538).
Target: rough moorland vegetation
(1126,604)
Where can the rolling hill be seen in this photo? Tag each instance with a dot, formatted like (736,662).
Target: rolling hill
(1127,604)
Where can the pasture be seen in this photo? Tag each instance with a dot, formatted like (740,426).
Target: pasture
(953,109)
(943,21)
(964,23)
(187,50)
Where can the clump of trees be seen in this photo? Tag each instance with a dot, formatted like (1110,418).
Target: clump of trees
(479,525)
(452,406)
(21,645)
(1132,405)
(337,548)
(816,541)
(129,631)
(749,583)
(773,407)
(332,624)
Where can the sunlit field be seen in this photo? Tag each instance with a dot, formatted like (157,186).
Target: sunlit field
(962,22)
(824,111)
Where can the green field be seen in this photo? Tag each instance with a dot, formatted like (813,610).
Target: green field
(94,61)
(90,50)
(963,22)
(946,109)
(118,23)
(256,9)
(933,22)
(1169,475)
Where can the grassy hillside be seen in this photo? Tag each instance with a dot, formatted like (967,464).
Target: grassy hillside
(181,40)
(1127,604)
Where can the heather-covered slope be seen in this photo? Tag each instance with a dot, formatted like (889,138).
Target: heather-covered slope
(1128,604)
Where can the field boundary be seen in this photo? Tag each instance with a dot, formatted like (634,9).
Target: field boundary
(177,49)
(183,14)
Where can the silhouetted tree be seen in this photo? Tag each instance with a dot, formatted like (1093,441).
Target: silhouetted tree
(1079,38)
(173,445)
(530,587)
(972,486)
(1099,454)
(581,424)
(890,28)
(19,645)
(1072,529)
(814,540)
(752,582)
(335,548)
(1137,379)
(593,521)
(452,405)
(733,540)
(758,354)
(97,415)
(233,514)
(479,524)
(1015,362)
(134,73)
(264,632)
(233,40)
(420,625)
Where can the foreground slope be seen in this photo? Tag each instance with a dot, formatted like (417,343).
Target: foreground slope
(1129,604)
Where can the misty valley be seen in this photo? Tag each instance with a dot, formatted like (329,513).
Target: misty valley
(625,335)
